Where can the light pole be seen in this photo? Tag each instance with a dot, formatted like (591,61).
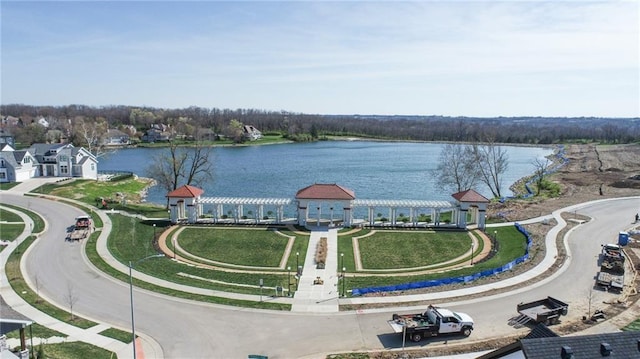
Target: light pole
(289,281)
(174,248)
(495,241)
(154,231)
(344,279)
(472,245)
(133,325)
(342,260)
(331,221)
(297,263)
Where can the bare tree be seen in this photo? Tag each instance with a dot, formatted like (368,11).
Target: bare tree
(492,162)
(456,168)
(90,134)
(71,299)
(539,169)
(181,166)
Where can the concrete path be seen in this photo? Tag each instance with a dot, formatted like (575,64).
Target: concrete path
(318,288)
(310,297)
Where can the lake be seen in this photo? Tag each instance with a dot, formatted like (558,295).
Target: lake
(373,170)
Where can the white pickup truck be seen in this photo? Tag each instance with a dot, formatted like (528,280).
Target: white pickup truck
(433,322)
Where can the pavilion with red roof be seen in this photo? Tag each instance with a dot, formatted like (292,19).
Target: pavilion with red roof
(183,203)
(326,204)
(473,205)
(320,194)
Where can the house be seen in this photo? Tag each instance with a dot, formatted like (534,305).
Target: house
(251,133)
(16,166)
(43,122)
(542,343)
(6,138)
(157,133)
(116,137)
(10,121)
(64,160)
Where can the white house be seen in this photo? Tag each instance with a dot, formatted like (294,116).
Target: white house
(251,133)
(64,160)
(16,166)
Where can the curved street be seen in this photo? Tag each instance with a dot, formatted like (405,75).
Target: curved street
(187,329)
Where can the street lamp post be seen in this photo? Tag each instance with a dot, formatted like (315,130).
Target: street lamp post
(342,260)
(289,280)
(298,263)
(133,325)
(472,245)
(174,248)
(344,279)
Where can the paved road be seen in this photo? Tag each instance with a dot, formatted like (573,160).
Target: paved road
(193,330)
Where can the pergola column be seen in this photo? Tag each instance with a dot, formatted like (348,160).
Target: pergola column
(347,216)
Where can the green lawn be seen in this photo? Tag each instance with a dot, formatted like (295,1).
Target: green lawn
(10,232)
(131,240)
(88,191)
(261,248)
(74,350)
(398,249)
(8,185)
(38,331)
(7,216)
(511,243)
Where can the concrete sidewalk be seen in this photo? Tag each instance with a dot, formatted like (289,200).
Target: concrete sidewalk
(318,288)
(147,347)
(323,298)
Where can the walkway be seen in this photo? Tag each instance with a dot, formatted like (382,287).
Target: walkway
(310,297)
(318,288)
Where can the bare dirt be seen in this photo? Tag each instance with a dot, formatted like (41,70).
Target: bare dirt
(592,172)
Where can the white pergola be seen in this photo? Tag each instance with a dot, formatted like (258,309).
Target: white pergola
(186,203)
(413,206)
(238,205)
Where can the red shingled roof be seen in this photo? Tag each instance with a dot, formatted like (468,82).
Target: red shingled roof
(186,191)
(470,196)
(325,191)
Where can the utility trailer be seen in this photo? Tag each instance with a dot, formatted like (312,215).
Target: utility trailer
(547,311)
(611,274)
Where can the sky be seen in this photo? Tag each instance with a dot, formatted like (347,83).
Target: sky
(448,58)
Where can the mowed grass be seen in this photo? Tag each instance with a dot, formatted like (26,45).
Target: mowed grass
(10,232)
(249,247)
(395,250)
(511,244)
(131,240)
(7,216)
(74,350)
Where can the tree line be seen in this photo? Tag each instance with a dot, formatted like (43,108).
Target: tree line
(77,121)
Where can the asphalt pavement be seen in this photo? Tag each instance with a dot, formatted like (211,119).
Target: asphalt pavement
(175,344)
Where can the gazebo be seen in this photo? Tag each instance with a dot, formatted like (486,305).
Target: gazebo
(473,203)
(183,203)
(325,196)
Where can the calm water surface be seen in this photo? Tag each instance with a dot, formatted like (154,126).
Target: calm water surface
(374,170)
